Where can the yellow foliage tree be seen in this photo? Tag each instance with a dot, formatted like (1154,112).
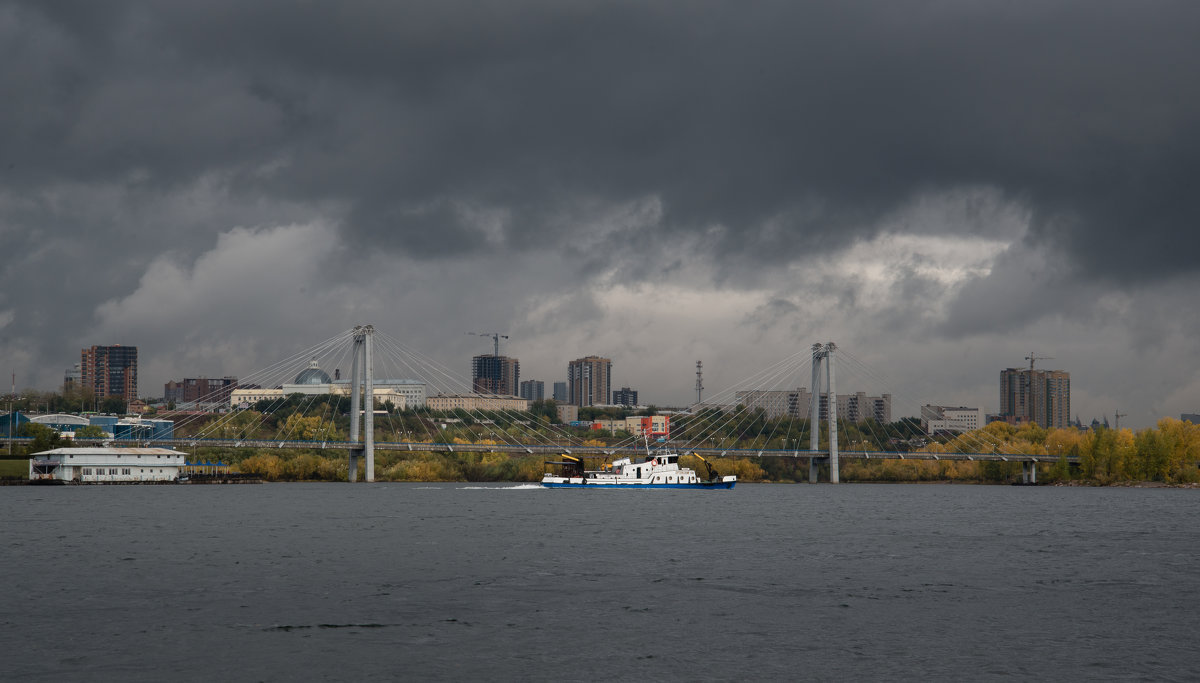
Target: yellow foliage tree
(303,428)
(266,465)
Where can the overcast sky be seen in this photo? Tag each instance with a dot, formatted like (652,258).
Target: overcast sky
(939,187)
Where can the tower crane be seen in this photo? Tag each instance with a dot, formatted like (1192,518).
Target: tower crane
(1117,416)
(1032,358)
(496,337)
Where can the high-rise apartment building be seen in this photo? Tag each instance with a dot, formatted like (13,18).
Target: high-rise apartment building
(625,397)
(491,374)
(110,371)
(560,392)
(533,390)
(589,381)
(1041,396)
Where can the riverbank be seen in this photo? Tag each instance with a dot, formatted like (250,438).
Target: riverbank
(1129,484)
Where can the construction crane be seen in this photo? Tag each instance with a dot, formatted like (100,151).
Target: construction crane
(496,337)
(1118,415)
(1033,358)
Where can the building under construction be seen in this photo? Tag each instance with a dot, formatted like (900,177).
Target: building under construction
(493,374)
(1041,396)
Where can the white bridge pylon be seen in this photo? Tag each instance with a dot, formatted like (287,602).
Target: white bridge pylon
(362,382)
(823,353)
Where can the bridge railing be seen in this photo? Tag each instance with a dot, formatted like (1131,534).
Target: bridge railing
(606,451)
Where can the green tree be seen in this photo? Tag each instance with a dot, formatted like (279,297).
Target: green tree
(546,409)
(44,438)
(89,432)
(115,405)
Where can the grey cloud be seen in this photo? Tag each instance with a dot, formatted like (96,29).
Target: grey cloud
(736,117)
(763,135)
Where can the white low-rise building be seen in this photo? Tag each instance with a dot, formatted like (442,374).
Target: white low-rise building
(956,419)
(476,402)
(105,465)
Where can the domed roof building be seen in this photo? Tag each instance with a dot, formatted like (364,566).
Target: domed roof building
(313,381)
(313,374)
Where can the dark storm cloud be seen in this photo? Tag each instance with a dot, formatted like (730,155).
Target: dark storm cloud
(748,116)
(615,135)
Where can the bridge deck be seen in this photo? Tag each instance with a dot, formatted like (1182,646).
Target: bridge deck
(606,451)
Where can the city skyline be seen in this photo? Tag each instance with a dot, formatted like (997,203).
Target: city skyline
(929,187)
(1062,417)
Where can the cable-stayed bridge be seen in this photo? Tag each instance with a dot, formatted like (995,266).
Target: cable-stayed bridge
(298,406)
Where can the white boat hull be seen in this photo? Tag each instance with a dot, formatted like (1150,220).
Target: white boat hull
(577,483)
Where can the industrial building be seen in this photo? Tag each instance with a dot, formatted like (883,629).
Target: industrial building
(114,427)
(199,392)
(653,425)
(10,422)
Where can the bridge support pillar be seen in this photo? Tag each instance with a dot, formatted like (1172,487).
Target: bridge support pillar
(1028,472)
(832,405)
(823,354)
(362,402)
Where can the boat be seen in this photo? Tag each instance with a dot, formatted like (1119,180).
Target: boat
(658,470)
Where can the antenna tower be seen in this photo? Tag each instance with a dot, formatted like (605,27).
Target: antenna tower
(699,382)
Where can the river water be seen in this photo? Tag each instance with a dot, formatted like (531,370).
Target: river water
(493,582)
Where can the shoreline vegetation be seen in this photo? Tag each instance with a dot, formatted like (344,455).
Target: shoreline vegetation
(1164,455)
(285,465)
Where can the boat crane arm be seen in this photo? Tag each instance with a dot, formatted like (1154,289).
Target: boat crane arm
(712,472)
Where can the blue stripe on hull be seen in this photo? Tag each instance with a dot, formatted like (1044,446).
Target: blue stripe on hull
(718,485)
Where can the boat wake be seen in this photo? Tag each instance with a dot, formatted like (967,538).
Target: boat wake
(518,487)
